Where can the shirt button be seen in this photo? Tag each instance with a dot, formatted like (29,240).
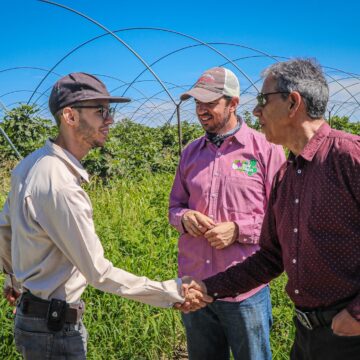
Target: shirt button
(295,230)
(219,153)
(213,195)
(230,142)
(211,216)
(296,201)
(299,171)
(294,261)
(216,294)
(208,261)
(296,291)
(216,174)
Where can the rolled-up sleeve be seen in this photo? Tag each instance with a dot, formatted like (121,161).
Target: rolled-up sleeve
(68,220)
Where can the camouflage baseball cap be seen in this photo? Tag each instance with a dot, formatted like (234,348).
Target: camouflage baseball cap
(213,84)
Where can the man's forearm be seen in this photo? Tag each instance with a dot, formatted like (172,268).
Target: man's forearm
(258,269)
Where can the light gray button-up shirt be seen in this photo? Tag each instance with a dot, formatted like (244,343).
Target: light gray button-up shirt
(48,239)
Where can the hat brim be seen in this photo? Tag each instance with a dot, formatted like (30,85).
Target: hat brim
(111,99)
(201,94)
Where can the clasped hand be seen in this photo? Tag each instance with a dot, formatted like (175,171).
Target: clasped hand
(194,292)
(219,235)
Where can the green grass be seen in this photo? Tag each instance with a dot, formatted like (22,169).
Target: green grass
(131,221)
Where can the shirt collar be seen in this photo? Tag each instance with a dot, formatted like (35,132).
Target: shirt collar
(315,142)
(240,135)
(69,158)
(243,133)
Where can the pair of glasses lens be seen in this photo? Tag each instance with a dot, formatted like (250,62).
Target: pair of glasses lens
(261,98)
(105,112)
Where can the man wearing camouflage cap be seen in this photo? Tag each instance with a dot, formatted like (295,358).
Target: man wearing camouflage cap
(217,203)
(47,237)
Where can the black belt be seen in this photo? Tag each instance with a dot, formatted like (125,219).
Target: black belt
(319,317)
(33,306)
(315,319)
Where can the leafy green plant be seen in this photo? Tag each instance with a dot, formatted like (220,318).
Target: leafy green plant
(26,129)
(343,123)
(135,150)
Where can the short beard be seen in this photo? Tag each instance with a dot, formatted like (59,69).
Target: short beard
(226,119)
(87,134)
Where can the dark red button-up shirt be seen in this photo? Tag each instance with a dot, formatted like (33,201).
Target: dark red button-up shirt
(311,228)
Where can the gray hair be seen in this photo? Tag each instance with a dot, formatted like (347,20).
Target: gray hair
(306,77)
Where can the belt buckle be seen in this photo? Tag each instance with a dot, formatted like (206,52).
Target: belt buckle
(304,320)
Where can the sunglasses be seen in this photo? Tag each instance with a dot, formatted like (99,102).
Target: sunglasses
(105,112)
(261,98)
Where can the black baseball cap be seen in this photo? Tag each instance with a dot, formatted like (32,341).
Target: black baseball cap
(79,86)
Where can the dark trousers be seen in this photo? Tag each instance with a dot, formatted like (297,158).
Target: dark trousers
(322,344)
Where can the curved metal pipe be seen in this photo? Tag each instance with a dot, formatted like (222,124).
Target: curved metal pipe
(116,37)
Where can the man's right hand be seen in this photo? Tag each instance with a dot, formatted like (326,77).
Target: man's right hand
(195,295)
(196,223)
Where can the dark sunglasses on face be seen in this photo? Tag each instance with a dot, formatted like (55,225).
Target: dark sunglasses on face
(261,98)
(105,112)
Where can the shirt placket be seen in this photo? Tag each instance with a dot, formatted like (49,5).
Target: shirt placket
(214,198)
(295,248)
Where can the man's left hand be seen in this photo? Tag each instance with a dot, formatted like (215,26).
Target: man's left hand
(222,235)
(11,295)
(343,324)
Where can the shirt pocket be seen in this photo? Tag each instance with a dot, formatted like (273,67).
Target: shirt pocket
(242,194)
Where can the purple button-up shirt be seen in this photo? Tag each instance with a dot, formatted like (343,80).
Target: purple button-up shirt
(311,228)
(230,183)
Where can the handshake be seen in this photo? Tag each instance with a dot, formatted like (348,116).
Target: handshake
(195,294)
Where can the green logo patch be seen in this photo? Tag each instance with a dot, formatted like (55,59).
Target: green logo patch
(247,166)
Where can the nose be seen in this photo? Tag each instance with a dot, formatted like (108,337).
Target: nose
(109,120)
(257,110)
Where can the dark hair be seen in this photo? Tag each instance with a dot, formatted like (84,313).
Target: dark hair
(58,114)
(306,77)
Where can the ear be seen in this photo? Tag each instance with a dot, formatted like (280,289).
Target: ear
(295,101)
(234,103)
(69,116)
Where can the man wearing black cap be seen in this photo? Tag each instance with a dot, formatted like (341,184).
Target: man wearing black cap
(47,238)
(217,204)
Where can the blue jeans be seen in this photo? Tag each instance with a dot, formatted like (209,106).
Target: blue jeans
(35,342)
(243,327)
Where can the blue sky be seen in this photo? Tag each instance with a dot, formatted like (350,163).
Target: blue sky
(36,34)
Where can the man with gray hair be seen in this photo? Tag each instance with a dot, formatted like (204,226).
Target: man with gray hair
(311,228)
(218,203)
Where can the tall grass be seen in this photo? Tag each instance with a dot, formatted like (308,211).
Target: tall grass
(131,221)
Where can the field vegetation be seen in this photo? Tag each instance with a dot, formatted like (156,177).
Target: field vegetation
(131,181)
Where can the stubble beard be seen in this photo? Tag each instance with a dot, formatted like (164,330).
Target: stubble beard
(87,134)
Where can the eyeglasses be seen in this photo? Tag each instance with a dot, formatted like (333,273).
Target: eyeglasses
(105,112)
(261,98)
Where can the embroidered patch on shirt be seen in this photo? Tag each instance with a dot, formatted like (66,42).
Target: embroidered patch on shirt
(249,167)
